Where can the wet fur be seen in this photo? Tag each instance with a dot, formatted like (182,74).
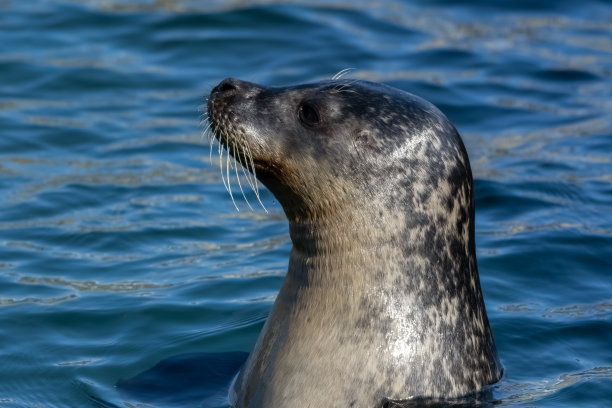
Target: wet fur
(382,298)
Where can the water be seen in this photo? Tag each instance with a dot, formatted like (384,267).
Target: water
(121,251)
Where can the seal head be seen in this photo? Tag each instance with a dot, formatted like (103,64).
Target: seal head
(382,298)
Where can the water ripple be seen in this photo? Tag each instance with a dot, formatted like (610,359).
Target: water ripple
(119,247)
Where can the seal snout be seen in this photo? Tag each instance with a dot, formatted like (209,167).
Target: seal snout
(226,86)
(232,86)
(230,95)
(221,98)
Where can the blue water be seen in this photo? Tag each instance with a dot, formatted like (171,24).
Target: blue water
(128,278)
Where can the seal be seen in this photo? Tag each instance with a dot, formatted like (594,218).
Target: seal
(382,299)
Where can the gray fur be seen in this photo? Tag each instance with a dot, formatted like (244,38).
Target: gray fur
(382,297)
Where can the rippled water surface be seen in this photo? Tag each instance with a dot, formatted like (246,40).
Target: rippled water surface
(120,248)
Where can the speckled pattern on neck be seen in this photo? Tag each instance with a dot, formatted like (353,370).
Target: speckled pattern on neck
(382,297)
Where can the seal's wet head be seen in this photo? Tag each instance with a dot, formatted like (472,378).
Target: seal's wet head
(333,141)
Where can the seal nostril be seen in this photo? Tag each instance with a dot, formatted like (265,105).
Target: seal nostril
(227,85)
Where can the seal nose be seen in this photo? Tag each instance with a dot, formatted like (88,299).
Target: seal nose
(227,85)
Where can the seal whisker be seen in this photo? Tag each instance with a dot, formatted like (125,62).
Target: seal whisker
(250,173)
(211,145)
(237,154)
(211,139)
(221,151)
(225,183)
(221,167)
(344,89)
(204,120)
(220,147)
(204,124)
(246,169)
(341,73)
(227,168)
(256,189)
(207,128)
(344,86)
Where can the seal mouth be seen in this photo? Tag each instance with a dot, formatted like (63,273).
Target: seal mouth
(266,169)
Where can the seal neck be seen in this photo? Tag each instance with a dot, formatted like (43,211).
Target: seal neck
(430,250)
(338,233)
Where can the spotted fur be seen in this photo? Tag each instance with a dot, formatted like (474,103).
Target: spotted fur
(382,299)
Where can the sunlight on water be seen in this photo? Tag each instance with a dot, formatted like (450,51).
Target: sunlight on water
(128,277)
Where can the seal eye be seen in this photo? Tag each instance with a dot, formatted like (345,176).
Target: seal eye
(309,115)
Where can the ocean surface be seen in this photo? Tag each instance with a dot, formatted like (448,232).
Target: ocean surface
(129,279)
